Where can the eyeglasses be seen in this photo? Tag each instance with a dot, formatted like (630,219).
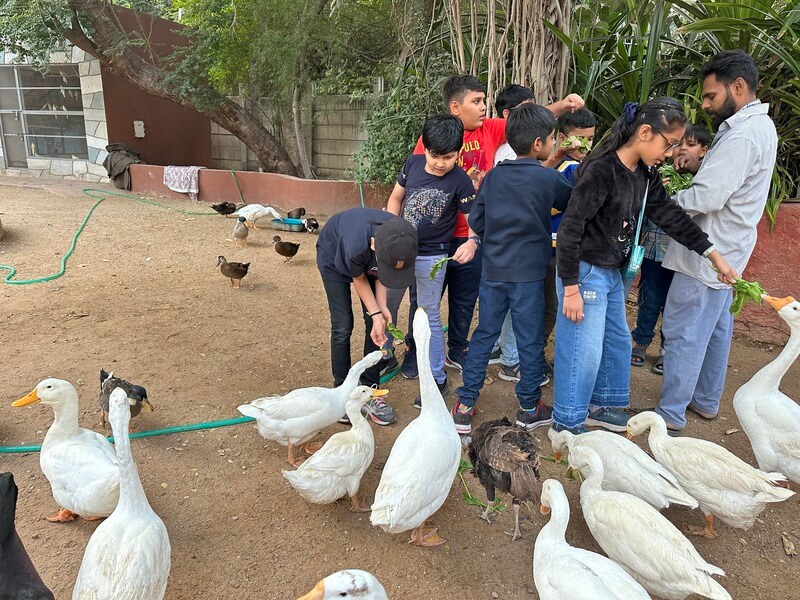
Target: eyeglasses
(670,145)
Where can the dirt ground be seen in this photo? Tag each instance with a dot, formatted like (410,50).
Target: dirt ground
(141,296)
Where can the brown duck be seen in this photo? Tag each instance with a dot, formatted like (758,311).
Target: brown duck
(506,458)
(296,213)
(234,271)
(287,249)
(137,395)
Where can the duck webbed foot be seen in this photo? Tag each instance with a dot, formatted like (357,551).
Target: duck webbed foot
(63,516)
(293,460)
(358,505)
(427,537)
(707,531)
(311,448)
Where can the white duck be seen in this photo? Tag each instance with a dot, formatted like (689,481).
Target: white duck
(336,469)
(352,583)
(769,417)
(80,464)
(563,572)
(424,459)
(626,467)
(128,555)
(301,414)
(641,540)
(253,212)
(724,485)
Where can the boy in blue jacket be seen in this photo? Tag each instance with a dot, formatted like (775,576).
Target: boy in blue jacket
(512,217)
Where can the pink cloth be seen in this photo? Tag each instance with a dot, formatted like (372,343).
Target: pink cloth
(183,179)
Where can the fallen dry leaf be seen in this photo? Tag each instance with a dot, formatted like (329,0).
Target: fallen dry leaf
(731,430)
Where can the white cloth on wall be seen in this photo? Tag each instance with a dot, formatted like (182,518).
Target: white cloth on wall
(184,180)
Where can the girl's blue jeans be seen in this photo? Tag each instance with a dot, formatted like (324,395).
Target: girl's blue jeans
(592,359)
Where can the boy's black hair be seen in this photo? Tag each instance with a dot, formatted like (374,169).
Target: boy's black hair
(443,134)
(458,86)
(510,97)
(731,64)
(525,124)
(580,119)
(698,133)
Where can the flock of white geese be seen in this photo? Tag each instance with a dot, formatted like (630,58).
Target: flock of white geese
(128,556)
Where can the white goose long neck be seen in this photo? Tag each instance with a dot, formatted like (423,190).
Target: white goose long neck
(658,434)
(351,381)
(358,422)
(432,401)
(770,376)
(593,483)
(131,493)
(555,529)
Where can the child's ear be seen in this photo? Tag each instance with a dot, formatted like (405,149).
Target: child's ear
(455,108)
(560,136)
(703,151)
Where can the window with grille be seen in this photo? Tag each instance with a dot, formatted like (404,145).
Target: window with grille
(42,111)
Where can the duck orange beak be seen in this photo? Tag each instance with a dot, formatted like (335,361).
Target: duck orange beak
(544,510)
(777,303)
(31,398)
(376,393)
(557,457)
(628,433)
(318,593)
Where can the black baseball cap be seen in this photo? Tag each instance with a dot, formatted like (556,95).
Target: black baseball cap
(396,247)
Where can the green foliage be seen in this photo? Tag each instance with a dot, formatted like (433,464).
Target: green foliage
(437,266)
(677,181)
(395,332)
(584,145)
(743,293)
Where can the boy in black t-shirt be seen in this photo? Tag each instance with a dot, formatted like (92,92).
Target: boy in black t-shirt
(429,193)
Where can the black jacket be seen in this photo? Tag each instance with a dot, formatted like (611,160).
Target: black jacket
(600,222)
(512,216)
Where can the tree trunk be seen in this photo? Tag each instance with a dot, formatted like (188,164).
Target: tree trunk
(112,47)
(297,122)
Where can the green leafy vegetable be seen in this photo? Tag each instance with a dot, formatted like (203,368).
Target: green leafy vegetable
(468,498)
(677,181)
(744,292)
(395,332)
(584,144)
(438,265)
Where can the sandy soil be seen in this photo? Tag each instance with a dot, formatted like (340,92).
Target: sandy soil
(142,297)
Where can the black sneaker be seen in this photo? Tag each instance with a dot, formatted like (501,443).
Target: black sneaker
(463,420)
(388,364)
(494,358)
(442,390)
(409,369)
(543,415)
(456,359)
(512,374)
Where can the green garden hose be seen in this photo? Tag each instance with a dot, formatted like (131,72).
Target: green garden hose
(101,196)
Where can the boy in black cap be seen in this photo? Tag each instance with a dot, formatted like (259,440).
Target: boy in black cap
(374,250)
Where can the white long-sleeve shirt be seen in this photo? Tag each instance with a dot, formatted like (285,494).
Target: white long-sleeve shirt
(729,192)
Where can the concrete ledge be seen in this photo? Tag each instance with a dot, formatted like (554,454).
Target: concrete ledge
(774,265)
(317,196)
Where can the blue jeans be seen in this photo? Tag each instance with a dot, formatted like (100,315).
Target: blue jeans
(653,287)
(697,329)
(429,298)
(462,283)
(526,304)
(593,358)
(507,343)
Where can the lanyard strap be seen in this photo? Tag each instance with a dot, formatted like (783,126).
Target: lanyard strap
(641,215)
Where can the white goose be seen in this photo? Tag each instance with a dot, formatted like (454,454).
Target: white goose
(80,464)
(641,540)
(563,572)
(769,417)
(128,555)
(336,469)
(626,467)
(424,459)
(301,414)
(253,212)
(352,583)
(724,485)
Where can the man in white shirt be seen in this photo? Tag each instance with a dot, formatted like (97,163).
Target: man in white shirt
(726,199)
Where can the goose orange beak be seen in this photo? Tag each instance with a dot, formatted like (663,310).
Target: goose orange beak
(376,393)
(557,457)
(31,398)
(318,593)
(544,510)
(628,433)
(777,303)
